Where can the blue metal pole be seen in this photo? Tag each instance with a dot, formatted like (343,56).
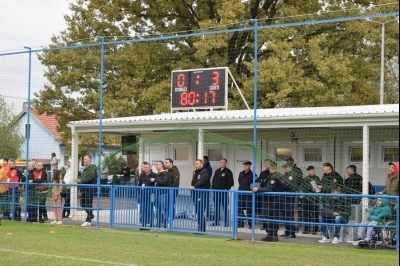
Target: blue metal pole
(253,200)
(101,127)
(28,131)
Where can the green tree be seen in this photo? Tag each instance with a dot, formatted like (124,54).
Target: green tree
(330,64)
(11,140)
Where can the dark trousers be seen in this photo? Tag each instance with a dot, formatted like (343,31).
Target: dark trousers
(270,210)
(32,204)
(310,215)
(287,206)
(221,202)
(244,204)
(162,210)
(87,194)
(146,207)
(200,201)
(67,203)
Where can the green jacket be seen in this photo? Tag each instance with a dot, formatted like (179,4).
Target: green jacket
(173,176)
(89,174)
(392,186)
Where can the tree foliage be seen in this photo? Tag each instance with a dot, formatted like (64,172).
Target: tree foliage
(11,140)
(328,64)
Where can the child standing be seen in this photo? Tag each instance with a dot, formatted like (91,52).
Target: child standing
(56,196)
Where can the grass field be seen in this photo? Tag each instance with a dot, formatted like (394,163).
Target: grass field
(44,244)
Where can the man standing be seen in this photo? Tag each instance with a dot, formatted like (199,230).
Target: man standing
(32,195)
(162,195)
(15,176)
(146,179)
(330,179)
(173,180)
(223,180)
(271,203)
(4,196)
(263,176)
(310,209)
(245,180)
(296,171)
(42,190)
(291,182)
(88,177)
(125,174)
(200,180)
(207,166)
(68,180)
(355,182)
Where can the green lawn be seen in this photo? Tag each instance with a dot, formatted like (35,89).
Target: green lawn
(34,244)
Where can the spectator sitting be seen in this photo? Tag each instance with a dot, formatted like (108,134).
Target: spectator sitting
(335,210)
(380,210)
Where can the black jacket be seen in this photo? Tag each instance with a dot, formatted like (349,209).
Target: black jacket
(263,176)
(126,173)
(145,179)
(330,181)
(355,183)
(201,179)
(291,181)
(223,179)
(173,176)
(245,179)
(162,179)
(272,183)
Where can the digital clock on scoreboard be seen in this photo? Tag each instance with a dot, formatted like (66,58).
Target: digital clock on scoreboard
(199,88)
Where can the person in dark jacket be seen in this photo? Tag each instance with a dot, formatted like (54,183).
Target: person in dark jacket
(291,182)
(330,179)
(261,178)
(147,179)
(245,180)
(162,195)
(223,180)
(335,210)
(271,202)
(88,177)
(354,183)
(309,206)
(125,174)
(296,170)
(201,181)
(173,180)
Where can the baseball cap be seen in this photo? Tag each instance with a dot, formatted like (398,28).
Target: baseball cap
(310,167)
(247,163)
(327,164)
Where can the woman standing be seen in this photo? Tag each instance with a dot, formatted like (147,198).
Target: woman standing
(56,196)
(53,162)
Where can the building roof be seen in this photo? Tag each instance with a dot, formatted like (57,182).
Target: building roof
(49,122)
(338,116)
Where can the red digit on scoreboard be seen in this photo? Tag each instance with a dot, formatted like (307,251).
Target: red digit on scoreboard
(215,78)
(180,80)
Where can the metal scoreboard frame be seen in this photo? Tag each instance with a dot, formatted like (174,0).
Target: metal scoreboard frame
(203,88)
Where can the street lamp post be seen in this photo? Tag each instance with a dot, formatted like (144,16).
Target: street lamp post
(382,86)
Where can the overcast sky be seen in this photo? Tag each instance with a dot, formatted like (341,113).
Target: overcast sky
(28,23)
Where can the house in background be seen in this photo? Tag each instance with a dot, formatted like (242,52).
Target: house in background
(45,139)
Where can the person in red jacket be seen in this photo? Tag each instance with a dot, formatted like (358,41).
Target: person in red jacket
(15,176)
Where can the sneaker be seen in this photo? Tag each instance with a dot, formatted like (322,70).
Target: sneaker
(324,240)
(85,224)
(59,222)
(335,241)
(355,243)
(53,222)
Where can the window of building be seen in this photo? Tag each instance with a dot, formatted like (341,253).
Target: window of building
(181,154)
(356,154)
(283,153)
(313,154)
(390,154)
(214,154)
